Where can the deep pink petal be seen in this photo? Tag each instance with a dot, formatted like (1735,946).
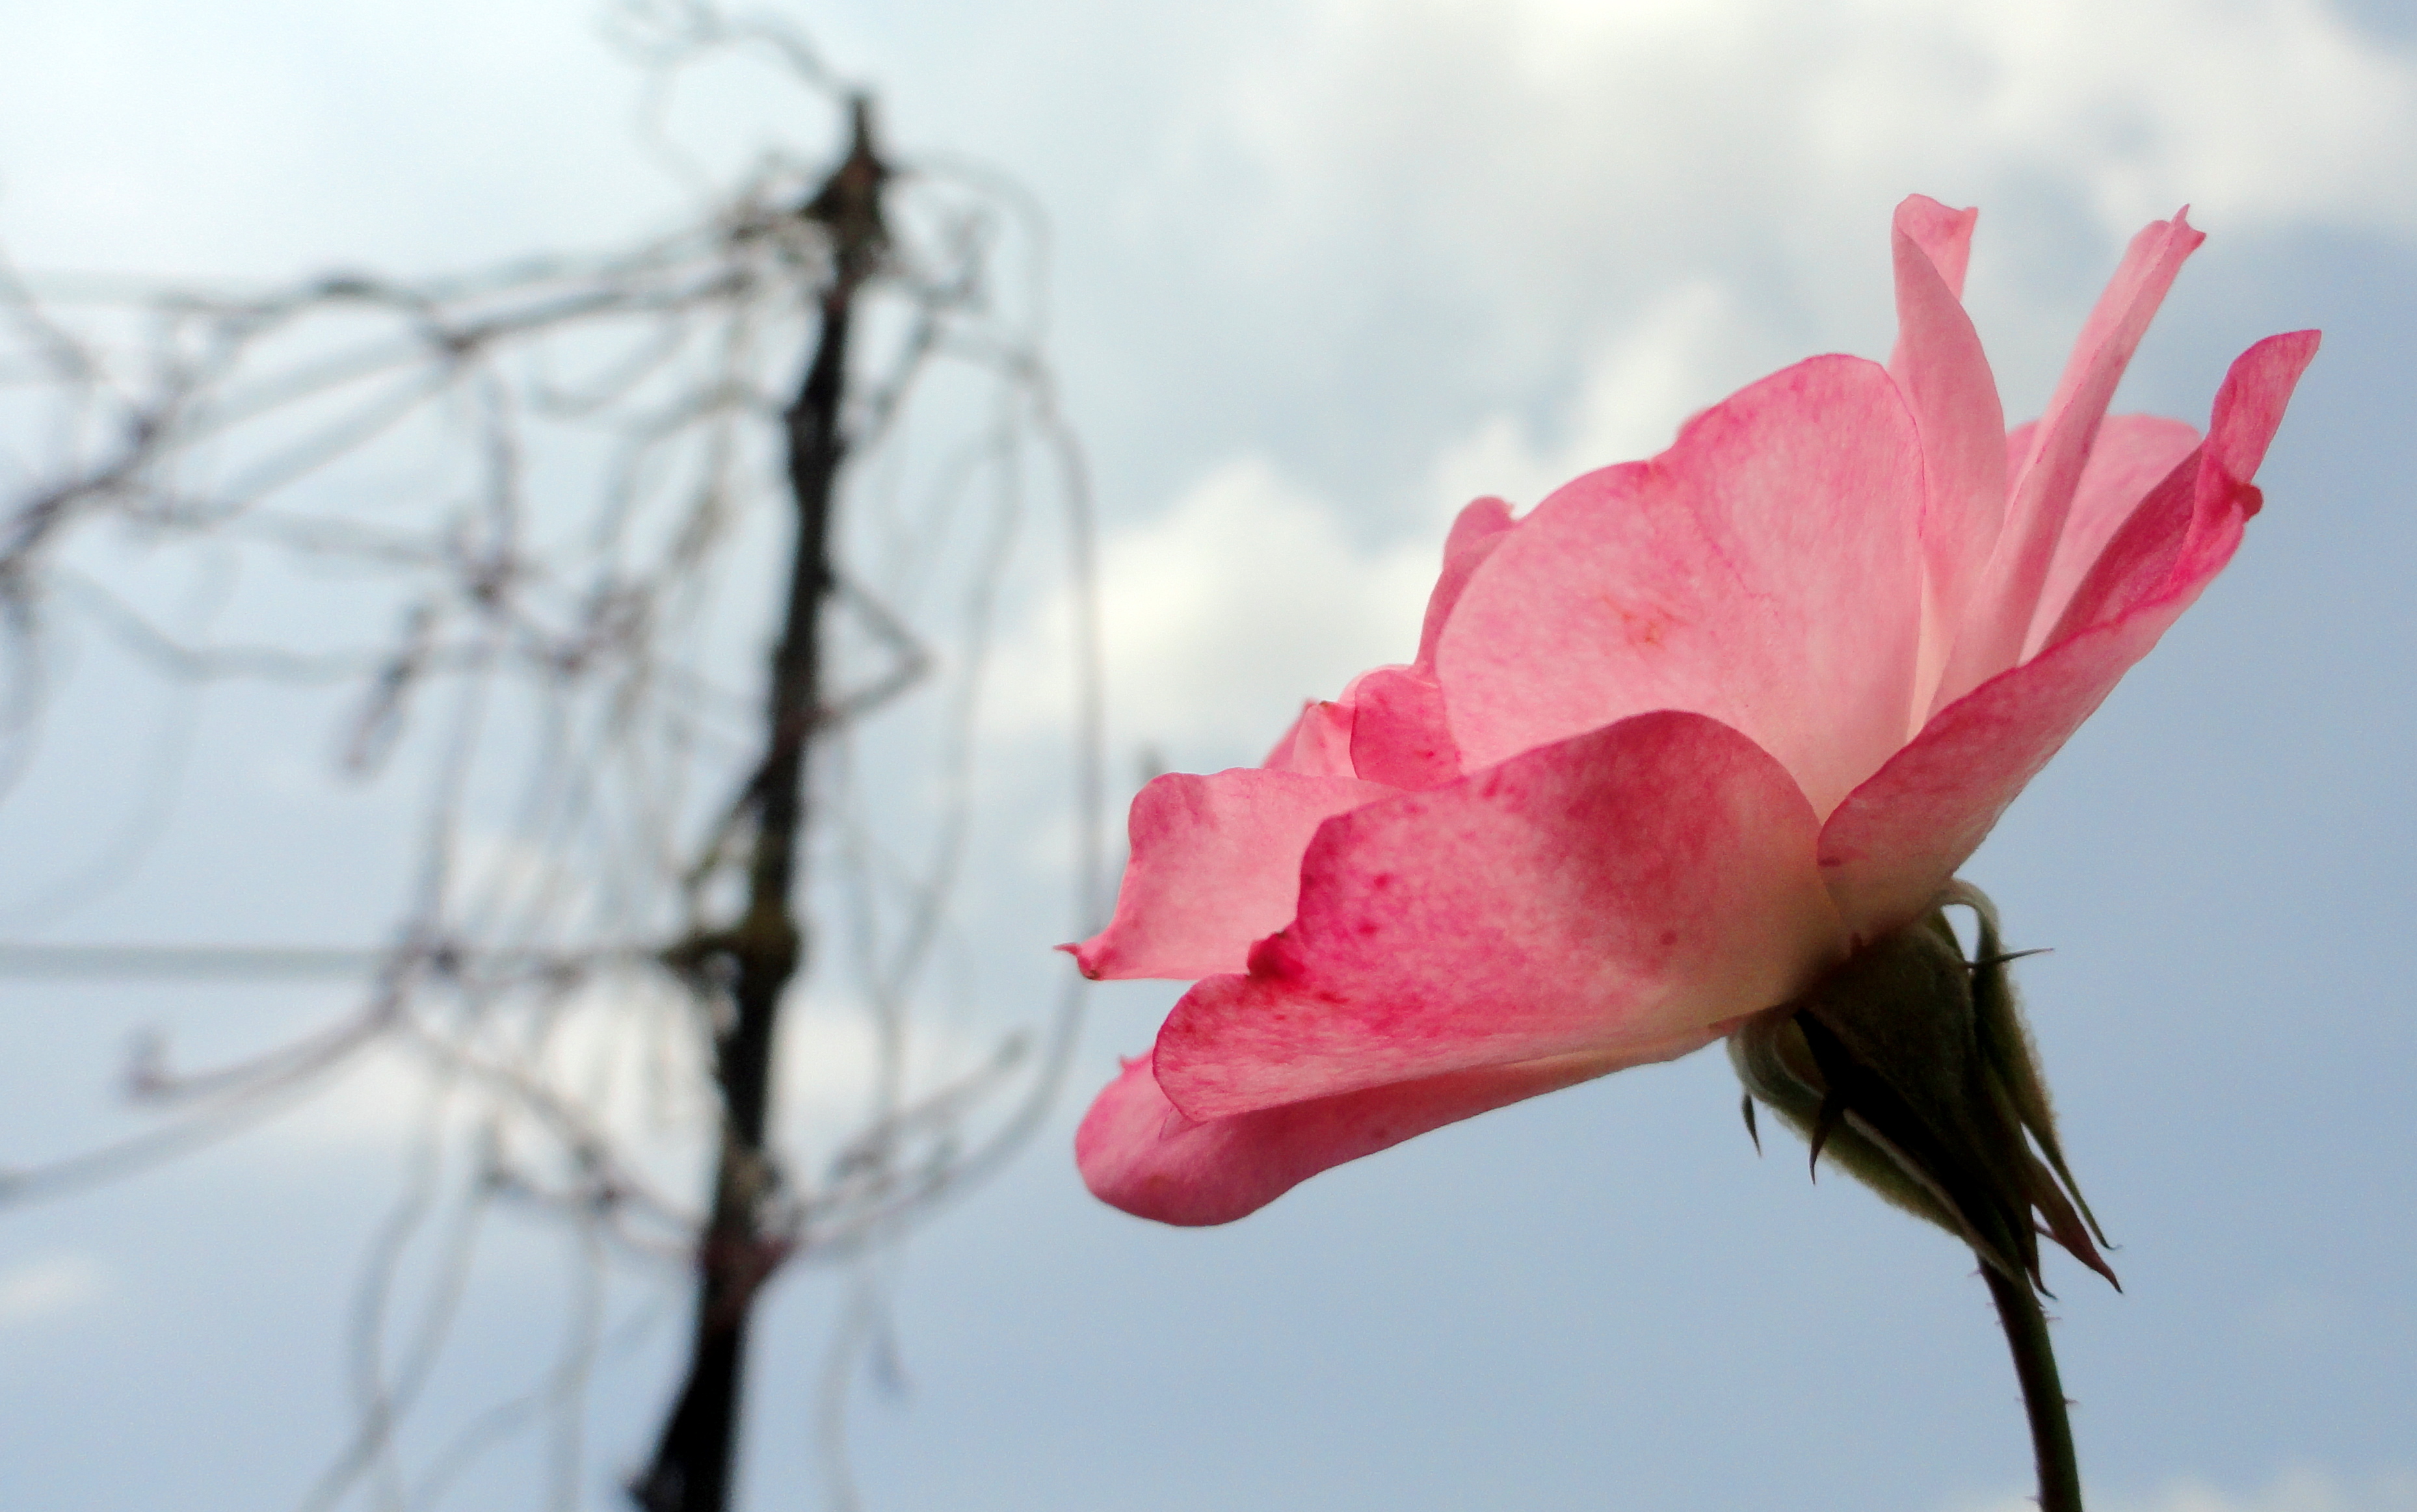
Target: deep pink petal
(1898,839)
(2197,512)
(2133,455)
(1764,571)
(1399,735)
(1605,895)
(1939,367)
(2249,407)
(1216,865)
(1999,615)
(1474,535)
(1138,1154)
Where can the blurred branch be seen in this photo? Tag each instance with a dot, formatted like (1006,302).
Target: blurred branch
(693,1461)
(508,523)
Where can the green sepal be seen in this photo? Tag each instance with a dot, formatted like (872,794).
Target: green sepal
(1910,1067)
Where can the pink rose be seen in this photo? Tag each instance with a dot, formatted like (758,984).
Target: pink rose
(1674,745)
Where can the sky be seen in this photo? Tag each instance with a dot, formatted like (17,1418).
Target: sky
(1319,273)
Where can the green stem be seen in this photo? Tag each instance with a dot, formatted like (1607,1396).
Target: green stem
(2018,1310)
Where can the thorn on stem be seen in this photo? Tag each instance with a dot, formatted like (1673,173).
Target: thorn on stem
(1833,1113)
(2006,956)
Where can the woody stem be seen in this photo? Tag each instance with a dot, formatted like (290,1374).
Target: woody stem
(2026,1325)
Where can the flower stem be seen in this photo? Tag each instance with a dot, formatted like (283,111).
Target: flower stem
(2018,1310)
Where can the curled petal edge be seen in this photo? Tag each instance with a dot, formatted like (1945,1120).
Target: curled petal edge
(1216,865)
(1901,835)
(1138,1154)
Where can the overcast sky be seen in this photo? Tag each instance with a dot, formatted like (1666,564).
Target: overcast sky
(1322,271)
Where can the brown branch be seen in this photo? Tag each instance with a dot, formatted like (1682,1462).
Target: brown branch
(694,1460)
(226,421)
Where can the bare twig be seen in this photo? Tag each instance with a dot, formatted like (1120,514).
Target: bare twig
(532,500)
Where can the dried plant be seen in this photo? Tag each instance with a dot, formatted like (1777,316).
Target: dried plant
(520,533)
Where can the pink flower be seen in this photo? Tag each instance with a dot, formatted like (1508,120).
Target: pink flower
(1673,745)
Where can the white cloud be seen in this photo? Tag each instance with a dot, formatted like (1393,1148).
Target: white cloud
(1521,174)
(2299,1491)
(42,1289)
(1227,610)
(1245,595)
(1690,349)
(2263,109)
(1586,222)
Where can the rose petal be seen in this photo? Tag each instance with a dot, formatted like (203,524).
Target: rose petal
(1764,571)
(1605,894)
(1898,839)
(2132,457)
(2195,516)
(1216,864)
(1999,615)
(1318,744)
(1399,735)
(1474,535)
(1943,236)
(1941,369)
(2249,406)
(1138,1154)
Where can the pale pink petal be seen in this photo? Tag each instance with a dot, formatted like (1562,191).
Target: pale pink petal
(1606,895)
(1474,535)
(1998,616)
(2019,446)
(1216,864)
(1399,735)
(1138,1154)
(1764,571)
(1898,839)
(1939,367)
(1944,236)
(2133,454)
(1318,744)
